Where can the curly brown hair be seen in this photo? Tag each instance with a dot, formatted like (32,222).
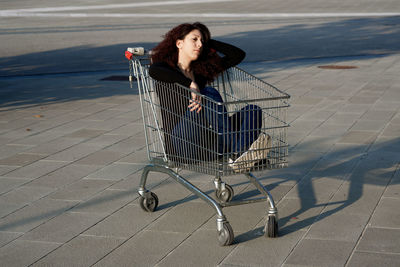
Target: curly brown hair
(208,63)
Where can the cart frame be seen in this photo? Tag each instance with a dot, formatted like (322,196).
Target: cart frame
(274,121)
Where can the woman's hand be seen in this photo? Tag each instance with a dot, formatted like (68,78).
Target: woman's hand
(195,102)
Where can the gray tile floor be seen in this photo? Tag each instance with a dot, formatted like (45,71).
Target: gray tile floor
(72,146)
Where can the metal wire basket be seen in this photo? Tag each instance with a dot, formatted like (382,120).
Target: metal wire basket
(238,90)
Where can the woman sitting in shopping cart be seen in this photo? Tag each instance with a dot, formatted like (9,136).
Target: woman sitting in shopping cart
(196,127)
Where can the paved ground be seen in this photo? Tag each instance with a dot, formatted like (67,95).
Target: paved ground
(72,147)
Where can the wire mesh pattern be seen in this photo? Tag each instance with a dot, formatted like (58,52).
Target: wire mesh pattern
(241,128)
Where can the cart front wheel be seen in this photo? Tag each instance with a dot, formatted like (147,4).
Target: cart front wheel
(225,236)
(224,195)
(149,204)
(271,228)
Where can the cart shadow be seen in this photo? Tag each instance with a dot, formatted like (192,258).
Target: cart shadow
(376,166)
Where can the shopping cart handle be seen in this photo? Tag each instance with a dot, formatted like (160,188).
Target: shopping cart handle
(137,51)
(128,55)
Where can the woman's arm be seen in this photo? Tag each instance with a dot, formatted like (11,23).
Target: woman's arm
(163,72)
(232,54)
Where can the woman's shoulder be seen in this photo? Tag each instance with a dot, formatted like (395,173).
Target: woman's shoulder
(162,71)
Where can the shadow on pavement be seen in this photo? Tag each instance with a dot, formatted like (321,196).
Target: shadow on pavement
(327,40)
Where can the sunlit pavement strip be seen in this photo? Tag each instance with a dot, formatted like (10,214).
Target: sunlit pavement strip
(47,12)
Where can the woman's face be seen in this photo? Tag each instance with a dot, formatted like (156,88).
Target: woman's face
(191,46)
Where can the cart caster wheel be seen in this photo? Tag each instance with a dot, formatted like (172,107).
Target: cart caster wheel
(149,204)
(225,236)
(224,195)
(271,228)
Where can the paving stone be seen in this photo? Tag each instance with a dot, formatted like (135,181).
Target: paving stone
(107,201)
(393,189)
(201,246)
(25,194)
(328,130)
(41,138)
(8,208)
(81,190)
(138,157)
(256,250)
(7,169)
(298,213)
(63,227)
(316,114)
(373,114)
(125,222)
(304,160)
(129,129)
(355,108)
(304,125)
(53,147)
(36,169)
(306,101)
(73,127)
(329,168)
(242,218)
(387,214)
(314,252)
(184,218)
(368,125)
(10,255)
(89,107)
(104,115)
(80,251)
(33,215)
(131,182)
(85,133)
(115,171)
(108,124)
(359,137)
(382,240)
(316,143)
(144,249)
(362,100)
(373,259)
(101,157)
(342,119)
(392,130)
(73,153)
(357,198)
(64,176)
(335,223)
(7,184)
(316,188)
(171,194)
(105,140)
(20,159)
(386,144)
(7,237)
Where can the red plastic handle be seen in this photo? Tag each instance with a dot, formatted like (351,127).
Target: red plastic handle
(128,55)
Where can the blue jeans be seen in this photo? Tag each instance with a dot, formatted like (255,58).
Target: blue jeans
(212,133)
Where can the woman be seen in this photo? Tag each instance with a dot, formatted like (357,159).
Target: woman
(196,128)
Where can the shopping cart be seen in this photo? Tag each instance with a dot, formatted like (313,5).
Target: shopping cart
(169,151)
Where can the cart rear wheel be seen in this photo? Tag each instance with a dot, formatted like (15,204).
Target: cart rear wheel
(225,236)
(149,204)
(271,228)
(224,195)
